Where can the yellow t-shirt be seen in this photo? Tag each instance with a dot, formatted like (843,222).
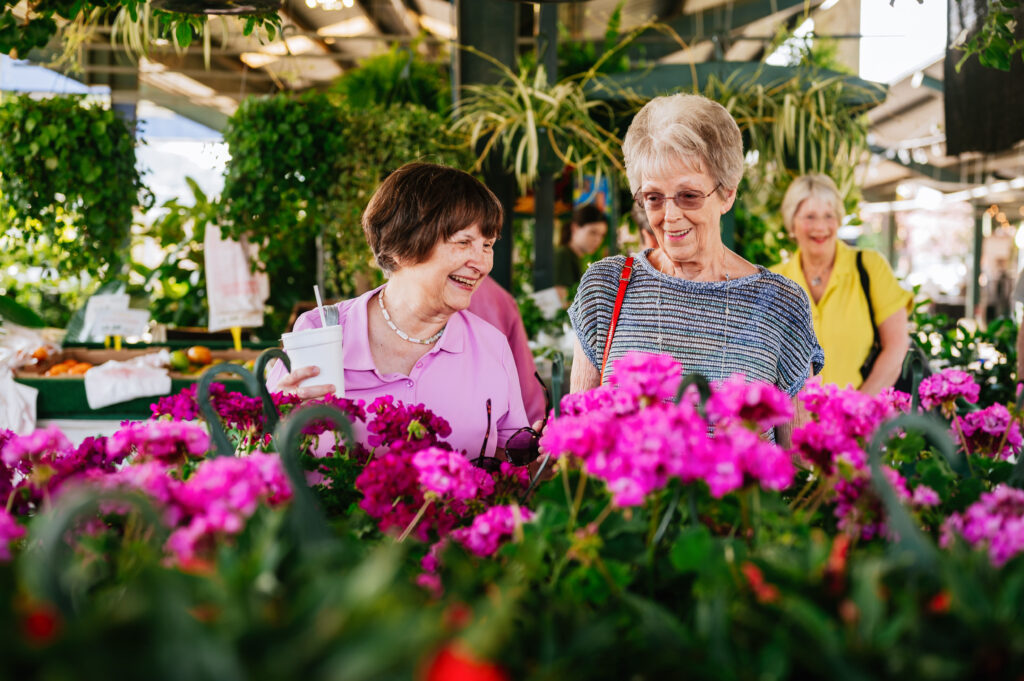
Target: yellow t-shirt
(841,316)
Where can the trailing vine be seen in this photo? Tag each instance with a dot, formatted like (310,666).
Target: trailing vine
(68,180)
(33,27)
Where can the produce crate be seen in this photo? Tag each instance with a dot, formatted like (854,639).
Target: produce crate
(63,397)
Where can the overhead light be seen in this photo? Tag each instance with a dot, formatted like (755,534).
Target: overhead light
(347,28)
(255,60)
(917,79)
(442,29)
(297,44)
(330,5)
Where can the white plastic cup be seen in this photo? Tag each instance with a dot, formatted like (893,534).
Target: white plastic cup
(319,347)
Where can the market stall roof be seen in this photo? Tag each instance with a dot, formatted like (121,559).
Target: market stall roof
(908,143)
(323,38)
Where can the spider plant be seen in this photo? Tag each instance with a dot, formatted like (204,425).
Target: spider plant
(523,113)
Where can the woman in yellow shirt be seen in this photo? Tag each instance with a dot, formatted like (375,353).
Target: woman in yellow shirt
(826,269)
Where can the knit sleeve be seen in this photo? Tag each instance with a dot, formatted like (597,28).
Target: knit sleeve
(799,348)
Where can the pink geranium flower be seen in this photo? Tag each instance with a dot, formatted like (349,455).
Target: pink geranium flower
(491,528)
(995,522)
(944,388)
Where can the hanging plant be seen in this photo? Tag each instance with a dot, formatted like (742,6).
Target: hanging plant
(302,169)
(68,180)
(526,118)
(805,124)
(138,22)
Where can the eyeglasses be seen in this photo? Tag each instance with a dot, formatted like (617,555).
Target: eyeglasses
(689,199)
(522,448)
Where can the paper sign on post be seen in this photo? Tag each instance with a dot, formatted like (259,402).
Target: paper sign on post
(234,292)
(98,304)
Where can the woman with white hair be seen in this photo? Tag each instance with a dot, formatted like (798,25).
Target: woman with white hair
(853,327)
(691,297)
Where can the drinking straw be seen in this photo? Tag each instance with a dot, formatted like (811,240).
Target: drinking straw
(319,305)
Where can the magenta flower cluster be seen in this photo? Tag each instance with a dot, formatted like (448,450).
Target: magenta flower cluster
(167,441)
(628,436)
(10,531)
(405,428)
(843,422)
(450,475)
(944,388)
(991,429)
(491,528)
(995,522)
(212,504)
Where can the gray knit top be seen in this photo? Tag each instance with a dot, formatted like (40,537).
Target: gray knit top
(759,325)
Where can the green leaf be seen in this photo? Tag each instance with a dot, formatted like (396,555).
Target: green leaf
(19,314)
(692,549)
(183,34)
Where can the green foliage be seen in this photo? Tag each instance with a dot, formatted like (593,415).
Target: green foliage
(175,290)
(997,41)
(303,168)
(989,353)
(18,37)
(13,312)
(68,182)
(399,76)
(29,275)
(538,126)
(805,124)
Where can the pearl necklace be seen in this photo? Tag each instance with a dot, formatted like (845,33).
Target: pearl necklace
(402,334)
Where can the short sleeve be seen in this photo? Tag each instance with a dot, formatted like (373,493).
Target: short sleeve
(887,296)
(591,309)
(799,347)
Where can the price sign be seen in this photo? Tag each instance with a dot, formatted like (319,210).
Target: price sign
(120,323)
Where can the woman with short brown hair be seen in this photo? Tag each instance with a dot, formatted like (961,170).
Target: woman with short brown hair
(432,230)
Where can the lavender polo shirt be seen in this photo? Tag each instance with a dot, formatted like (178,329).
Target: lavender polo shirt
(469,364)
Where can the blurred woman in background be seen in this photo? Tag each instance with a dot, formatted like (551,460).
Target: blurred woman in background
(827,270)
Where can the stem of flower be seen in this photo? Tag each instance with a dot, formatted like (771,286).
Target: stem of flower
(415,520)
(603,514)
(578,500)
(963,441)
(803,492)
(10,500)
(565,486)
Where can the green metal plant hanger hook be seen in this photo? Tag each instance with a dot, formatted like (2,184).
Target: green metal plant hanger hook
(222,446)
(311,525)
(910,540)
(700,382)
(557,378)
(271,415)
(43,569)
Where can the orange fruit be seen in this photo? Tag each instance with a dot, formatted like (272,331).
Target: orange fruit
(199,354)
(40,353)
(57,370)
(79,369)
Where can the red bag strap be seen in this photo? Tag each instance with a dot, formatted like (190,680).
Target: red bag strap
(627,272)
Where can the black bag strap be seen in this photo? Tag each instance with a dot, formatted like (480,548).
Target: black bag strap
(865,285)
